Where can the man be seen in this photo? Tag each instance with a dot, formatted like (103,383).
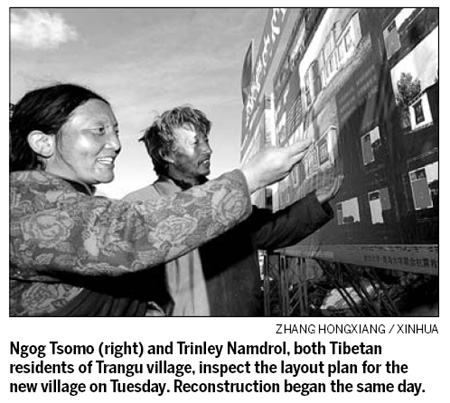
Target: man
(222,277)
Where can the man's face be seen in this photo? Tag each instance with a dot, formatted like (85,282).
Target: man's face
(190,158)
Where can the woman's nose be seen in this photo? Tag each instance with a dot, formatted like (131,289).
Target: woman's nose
(114,142)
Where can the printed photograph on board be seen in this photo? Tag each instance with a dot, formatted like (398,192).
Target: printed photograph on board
(151,185)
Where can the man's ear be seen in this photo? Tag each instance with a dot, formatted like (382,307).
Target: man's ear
(41,143)
(166,156)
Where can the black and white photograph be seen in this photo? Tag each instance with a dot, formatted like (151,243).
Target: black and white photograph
(224,202)
(349,227)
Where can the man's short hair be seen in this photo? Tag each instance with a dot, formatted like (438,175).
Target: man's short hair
(159,137)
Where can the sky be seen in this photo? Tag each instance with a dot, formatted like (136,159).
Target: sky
(144,61)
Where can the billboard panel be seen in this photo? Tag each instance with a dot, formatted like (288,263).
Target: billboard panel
(364,86)
(246,79)
(273,28)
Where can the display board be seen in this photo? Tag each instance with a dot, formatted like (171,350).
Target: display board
(363,84)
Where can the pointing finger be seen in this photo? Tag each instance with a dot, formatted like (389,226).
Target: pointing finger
(299,147)
(297,151)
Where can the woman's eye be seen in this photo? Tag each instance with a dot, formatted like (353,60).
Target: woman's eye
(102,130)
(99,130)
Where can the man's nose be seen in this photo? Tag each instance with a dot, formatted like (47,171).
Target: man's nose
(206,148)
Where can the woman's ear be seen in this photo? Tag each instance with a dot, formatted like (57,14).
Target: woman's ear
(41,143)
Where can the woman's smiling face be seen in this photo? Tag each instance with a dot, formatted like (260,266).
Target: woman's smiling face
(87,145)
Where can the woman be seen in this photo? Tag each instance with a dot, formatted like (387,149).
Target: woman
(71,250)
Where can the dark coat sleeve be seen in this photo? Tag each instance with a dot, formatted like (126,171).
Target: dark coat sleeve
(289,226)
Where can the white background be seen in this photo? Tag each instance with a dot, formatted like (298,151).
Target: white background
(426,355)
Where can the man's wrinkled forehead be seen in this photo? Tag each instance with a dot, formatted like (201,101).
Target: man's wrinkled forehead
(184,134)
(189,127)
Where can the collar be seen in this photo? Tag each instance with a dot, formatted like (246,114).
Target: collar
(181,184)
(79,187)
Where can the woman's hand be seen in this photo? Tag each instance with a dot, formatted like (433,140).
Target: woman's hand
(273,164)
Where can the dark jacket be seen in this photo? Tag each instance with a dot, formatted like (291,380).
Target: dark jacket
(230,262)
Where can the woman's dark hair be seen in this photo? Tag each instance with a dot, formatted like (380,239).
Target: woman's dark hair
(44,109)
